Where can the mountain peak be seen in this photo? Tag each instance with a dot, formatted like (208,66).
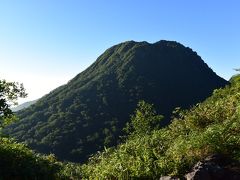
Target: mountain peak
(88,113)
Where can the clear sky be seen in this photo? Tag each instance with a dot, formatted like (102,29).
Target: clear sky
(45,43)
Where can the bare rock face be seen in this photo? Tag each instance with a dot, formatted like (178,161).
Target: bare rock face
(215,167)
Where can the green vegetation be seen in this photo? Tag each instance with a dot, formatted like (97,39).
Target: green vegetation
(144,122)
(90,111)
(207,128)
(9,93)
(148,151)
(17,161)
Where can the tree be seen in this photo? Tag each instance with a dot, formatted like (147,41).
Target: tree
(144,121)
(9,93)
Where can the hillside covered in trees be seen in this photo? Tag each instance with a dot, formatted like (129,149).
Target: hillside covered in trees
(148,152)
(89,112)
(210,127)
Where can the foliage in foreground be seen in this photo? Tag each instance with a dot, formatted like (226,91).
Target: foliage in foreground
(9,93)
(209,127)
(17,161)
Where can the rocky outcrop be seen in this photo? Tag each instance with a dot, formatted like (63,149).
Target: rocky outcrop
(168,178)
(215,167)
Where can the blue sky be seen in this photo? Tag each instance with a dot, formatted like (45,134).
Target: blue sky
(46,43)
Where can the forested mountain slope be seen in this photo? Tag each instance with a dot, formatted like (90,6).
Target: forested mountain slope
(210,128)
(89,112)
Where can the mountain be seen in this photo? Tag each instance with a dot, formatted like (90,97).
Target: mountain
(199,143)
(23,105)
(89,112)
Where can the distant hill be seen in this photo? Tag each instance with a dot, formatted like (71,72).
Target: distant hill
(23,106)
(89,112)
